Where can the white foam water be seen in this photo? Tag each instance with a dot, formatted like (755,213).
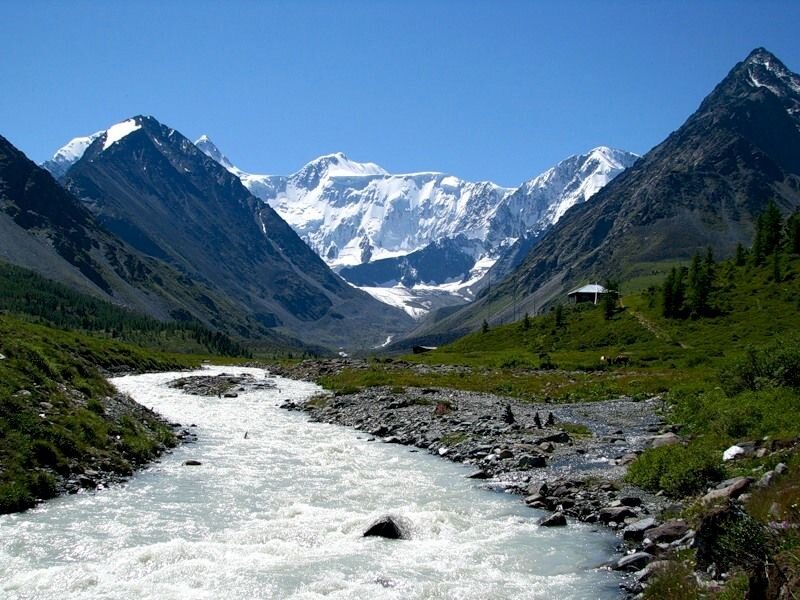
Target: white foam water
(280,513)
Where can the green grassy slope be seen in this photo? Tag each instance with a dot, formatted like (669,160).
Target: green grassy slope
(58,415)
(24,293)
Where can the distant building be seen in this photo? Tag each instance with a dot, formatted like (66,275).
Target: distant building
(592,292)
(423,349)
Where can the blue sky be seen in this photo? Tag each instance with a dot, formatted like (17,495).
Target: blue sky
(484,90)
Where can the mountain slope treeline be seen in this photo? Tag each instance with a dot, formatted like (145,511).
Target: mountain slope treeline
(703,186)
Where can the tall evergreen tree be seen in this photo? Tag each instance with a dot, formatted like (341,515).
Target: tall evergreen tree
(559,315)
(701,278)
(776,267)
(741,255)
(674,292)
(610,298)
(769,233)
(793,233)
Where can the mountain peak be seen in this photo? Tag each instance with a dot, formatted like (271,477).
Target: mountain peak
(760,55)
(764,69)
(210,149)
(120,130)
(69,154)
(336,164)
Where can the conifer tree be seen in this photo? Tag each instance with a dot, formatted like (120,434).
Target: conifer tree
(769,233)
(559,316)
(610,298)
(668,303)
(741,255)
(792,241)
(776,267)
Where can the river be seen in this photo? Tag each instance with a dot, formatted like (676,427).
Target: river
(279,514)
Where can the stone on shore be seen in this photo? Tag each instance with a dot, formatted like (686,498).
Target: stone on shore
(666,439)
(633,562)
(635,531)
(615,513)
(734,488)
(668,532)
(531,462)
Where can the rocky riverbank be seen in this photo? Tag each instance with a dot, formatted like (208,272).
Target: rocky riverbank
(122,455)
(568,459)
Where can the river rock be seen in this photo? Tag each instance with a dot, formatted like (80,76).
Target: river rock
(537,487)
(562,437)
(557,519)
(668,532)
(633,562)
(713,547)
(531,462)
(734,488)
(630,501)
(732,452)
(615,513)
(480,474)
(192,463)
(635,531)
(386,527)
(666,439)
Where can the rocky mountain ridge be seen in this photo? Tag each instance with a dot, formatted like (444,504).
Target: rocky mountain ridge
(154,189)
(702,187)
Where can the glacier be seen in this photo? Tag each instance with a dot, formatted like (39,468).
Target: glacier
(353,213)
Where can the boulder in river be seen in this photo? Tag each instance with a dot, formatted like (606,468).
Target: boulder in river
(192,463)
(387,527)
(557,519)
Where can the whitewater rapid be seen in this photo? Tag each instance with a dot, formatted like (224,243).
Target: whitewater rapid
(279,514)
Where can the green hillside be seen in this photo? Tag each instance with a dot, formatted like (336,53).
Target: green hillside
(26,294)
(60,417)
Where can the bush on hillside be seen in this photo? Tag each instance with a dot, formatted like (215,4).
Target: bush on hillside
(678,470)
(775,366)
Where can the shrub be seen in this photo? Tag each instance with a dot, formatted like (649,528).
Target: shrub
(678,470)
(777,365)
(46,454)
(95,406)
(576,429)
(675,581)
(14,496)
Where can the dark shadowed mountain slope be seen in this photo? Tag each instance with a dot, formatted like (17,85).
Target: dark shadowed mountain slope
(152,187)
(703,186)
(46,229)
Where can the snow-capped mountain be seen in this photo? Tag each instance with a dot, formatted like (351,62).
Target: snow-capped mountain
(154,189)
(373,225)
(69,154)
(73,150)
(357,214)
(542,201)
